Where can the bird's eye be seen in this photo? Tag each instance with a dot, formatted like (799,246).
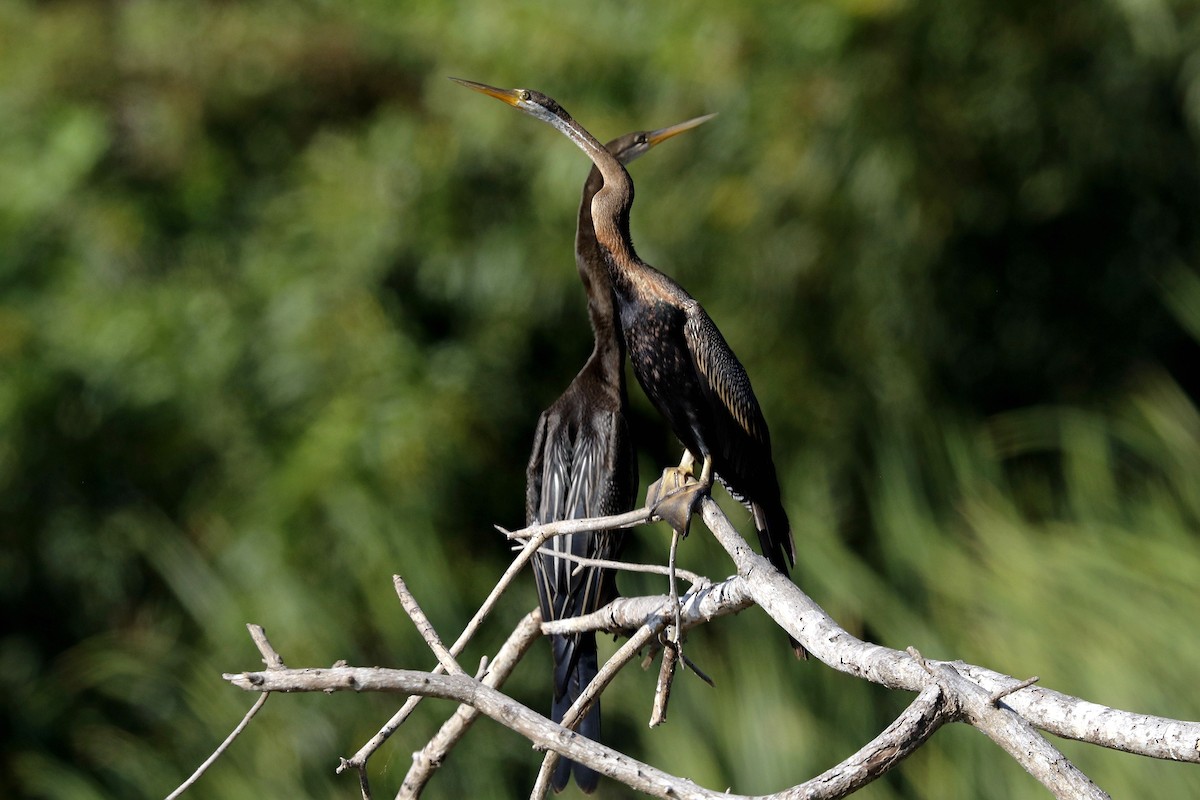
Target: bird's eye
(523,94)
(642,138)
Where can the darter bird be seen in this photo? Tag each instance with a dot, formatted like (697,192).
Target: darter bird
(679,357)
(584,465)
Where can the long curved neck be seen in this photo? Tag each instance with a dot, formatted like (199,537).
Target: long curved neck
(593,273)
(611,202)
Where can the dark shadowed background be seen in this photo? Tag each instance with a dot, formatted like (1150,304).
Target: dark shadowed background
(280,304)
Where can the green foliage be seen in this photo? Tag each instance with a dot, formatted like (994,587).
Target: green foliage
(279,306)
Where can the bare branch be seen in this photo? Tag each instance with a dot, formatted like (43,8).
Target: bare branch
(273,661)
(464,689)
(666,680)
(925,714)
(427,760)
(625,653)
(627,566)
(425,627)
(628,613)
(1084,721)
(562,527)
(208,762)
(270,657)
(1015,735)
(1053,712)
(1005,709)
(886,750)
(359,759)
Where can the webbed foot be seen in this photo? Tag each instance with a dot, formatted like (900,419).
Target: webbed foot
(676,496)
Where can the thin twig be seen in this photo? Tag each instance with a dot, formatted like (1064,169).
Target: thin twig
(666,680)
(241,726)
(364,786)
(547,530)
(1000,694)
(624,654)
(422,623)
(359,759)
(693,578)
(676,633)
(429,758)
(270,657)
(699,673)
(672,644)
(273,661)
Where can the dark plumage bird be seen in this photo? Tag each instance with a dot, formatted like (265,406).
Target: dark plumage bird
(584,465)
(681,360)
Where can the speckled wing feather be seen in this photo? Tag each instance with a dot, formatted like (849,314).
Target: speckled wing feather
(740,441)
(725,380)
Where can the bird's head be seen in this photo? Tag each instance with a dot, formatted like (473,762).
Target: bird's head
(530,101)
(635,145)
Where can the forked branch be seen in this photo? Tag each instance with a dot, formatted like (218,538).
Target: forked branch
(1005,709)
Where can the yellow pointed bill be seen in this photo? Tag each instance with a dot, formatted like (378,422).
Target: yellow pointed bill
(510,96)
(662,134)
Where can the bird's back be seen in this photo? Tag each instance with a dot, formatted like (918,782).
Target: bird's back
(692,376)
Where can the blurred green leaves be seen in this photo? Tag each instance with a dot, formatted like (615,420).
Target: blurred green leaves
(279,306)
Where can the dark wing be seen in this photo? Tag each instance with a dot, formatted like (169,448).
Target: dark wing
(728,387)
(576,474)
(547,475)
(585,474)
(586,497)
(533,473)
(739,440)
(545,495)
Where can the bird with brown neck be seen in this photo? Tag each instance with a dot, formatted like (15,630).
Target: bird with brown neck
(679,357)
(584,465)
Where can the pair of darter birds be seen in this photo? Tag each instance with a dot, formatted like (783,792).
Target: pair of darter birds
(583,462)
